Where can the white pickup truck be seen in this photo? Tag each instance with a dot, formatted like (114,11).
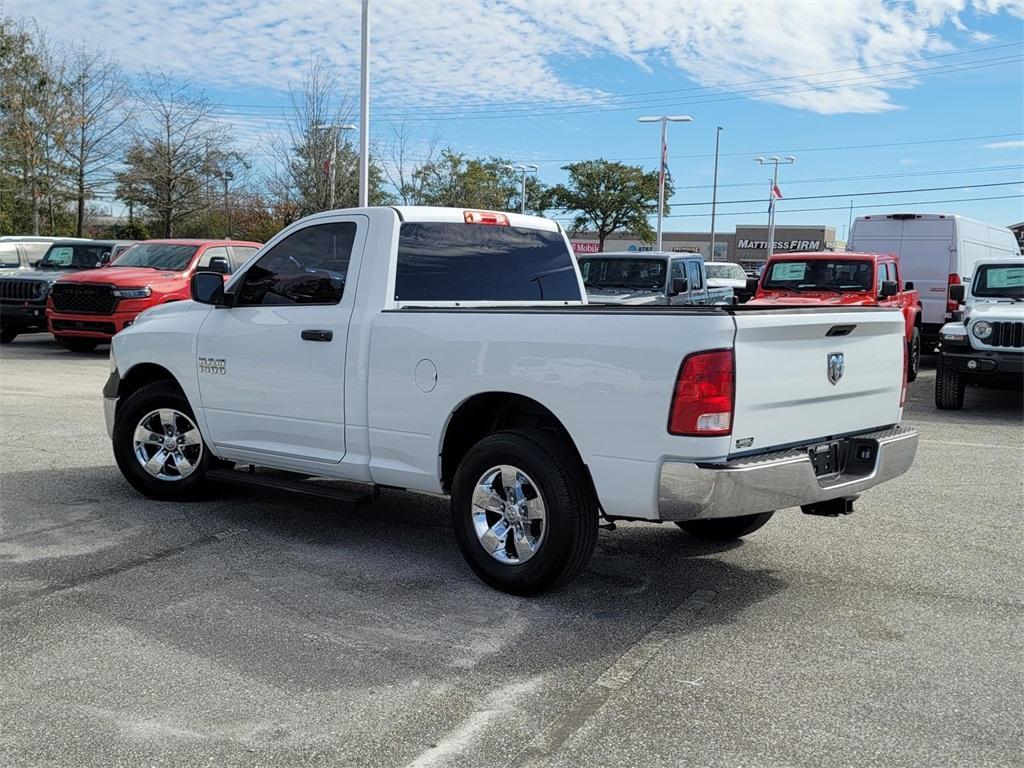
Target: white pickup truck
(453,352)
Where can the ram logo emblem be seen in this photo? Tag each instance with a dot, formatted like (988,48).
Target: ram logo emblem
(836,366)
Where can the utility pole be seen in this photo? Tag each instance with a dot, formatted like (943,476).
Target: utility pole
(364,110)
(849,225)
(523,169)
(663,167)
(714,194)
(775,161)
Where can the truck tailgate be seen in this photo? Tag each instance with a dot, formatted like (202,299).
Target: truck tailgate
(785,394)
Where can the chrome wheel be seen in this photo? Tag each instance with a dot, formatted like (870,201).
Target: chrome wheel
(167,444)
(508,514)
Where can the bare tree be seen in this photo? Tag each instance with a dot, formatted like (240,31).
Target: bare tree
(403,168)
(177,145)
(97,95)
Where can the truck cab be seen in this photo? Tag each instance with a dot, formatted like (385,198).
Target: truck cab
(984,344)
(650,277)
(844,279)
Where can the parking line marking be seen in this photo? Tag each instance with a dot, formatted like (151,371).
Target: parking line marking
(958,444)
(120,568)
(620,674)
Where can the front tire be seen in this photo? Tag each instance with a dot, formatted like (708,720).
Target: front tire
(725,528)
(7,335)
(523,512)
(76,344)
(949,388)
(914,354)
(158,446)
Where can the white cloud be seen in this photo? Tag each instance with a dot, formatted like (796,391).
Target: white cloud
(1005,145)
(460,52)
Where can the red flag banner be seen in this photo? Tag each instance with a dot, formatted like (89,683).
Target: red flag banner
(776,192)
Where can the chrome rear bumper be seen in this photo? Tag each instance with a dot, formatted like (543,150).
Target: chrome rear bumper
(777,480)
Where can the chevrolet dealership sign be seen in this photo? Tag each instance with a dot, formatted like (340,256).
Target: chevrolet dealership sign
(780,245)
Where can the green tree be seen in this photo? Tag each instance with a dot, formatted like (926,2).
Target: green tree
(608,197)
(460,182)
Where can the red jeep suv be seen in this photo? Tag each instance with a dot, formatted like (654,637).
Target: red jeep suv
(87,308)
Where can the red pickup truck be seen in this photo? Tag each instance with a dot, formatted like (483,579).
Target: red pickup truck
(87,308)
(843,279)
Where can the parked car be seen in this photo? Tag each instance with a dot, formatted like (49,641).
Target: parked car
(984,346)
(724,274)
(25,252)
(88,308)
(936,251)
(23,292)
(451,351)
(651,277)
(844,279)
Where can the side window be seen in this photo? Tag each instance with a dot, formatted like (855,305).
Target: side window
(882,276)
(217,252)
(241,254)
(307,267)
(693,267)
(677,269)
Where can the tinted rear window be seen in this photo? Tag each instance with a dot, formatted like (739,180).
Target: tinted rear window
(472,262)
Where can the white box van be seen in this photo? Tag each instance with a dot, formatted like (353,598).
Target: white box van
(936,250)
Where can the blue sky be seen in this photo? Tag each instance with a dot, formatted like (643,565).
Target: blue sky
(550,82)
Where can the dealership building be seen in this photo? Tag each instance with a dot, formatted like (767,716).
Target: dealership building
(747,246)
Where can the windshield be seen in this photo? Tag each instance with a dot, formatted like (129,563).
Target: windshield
(173,258)
(8,255)
(821,274)
(994,281)
(728,271)
(77,256)
(630,274)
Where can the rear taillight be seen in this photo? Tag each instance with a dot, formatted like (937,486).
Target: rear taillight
(702,403)
(951,305)
(485,217)
(906,372)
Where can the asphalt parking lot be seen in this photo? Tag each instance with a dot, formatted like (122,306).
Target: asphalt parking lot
(261,630)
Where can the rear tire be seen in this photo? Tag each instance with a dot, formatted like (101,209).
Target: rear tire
(523,512)
(76,344)
(7,336)
(949,388)
(725,528)
(914,354)
(156,423)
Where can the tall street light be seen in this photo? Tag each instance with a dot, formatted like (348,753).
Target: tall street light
(523,169)
(714,194)
(664,120)
(364,110)
(334,128)
(775,161)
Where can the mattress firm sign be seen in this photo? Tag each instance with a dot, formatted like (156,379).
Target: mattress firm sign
(780,245)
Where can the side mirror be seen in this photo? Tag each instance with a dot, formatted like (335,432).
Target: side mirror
(752,283)
(208,288)
(104,258)
(889,288)
(909,285)
(679,285)
(958,316)
(219,265)
(957,293)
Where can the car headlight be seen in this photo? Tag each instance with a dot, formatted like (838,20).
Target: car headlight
(954,337)
(982,329)
(44,290)
(132,293)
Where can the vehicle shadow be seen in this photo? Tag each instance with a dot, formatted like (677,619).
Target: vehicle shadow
(369,595)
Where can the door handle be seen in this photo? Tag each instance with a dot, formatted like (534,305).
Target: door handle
(316,334)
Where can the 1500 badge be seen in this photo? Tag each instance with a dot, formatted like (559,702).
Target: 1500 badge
(213,365)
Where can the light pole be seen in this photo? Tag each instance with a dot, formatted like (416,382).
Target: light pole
(227,176)
(714,193)
(775,161)
(663,167)
(364,110)
(334,128)
(523,169)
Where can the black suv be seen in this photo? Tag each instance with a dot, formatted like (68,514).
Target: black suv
(23,293)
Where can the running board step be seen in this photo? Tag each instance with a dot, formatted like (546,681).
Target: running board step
(287,485)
